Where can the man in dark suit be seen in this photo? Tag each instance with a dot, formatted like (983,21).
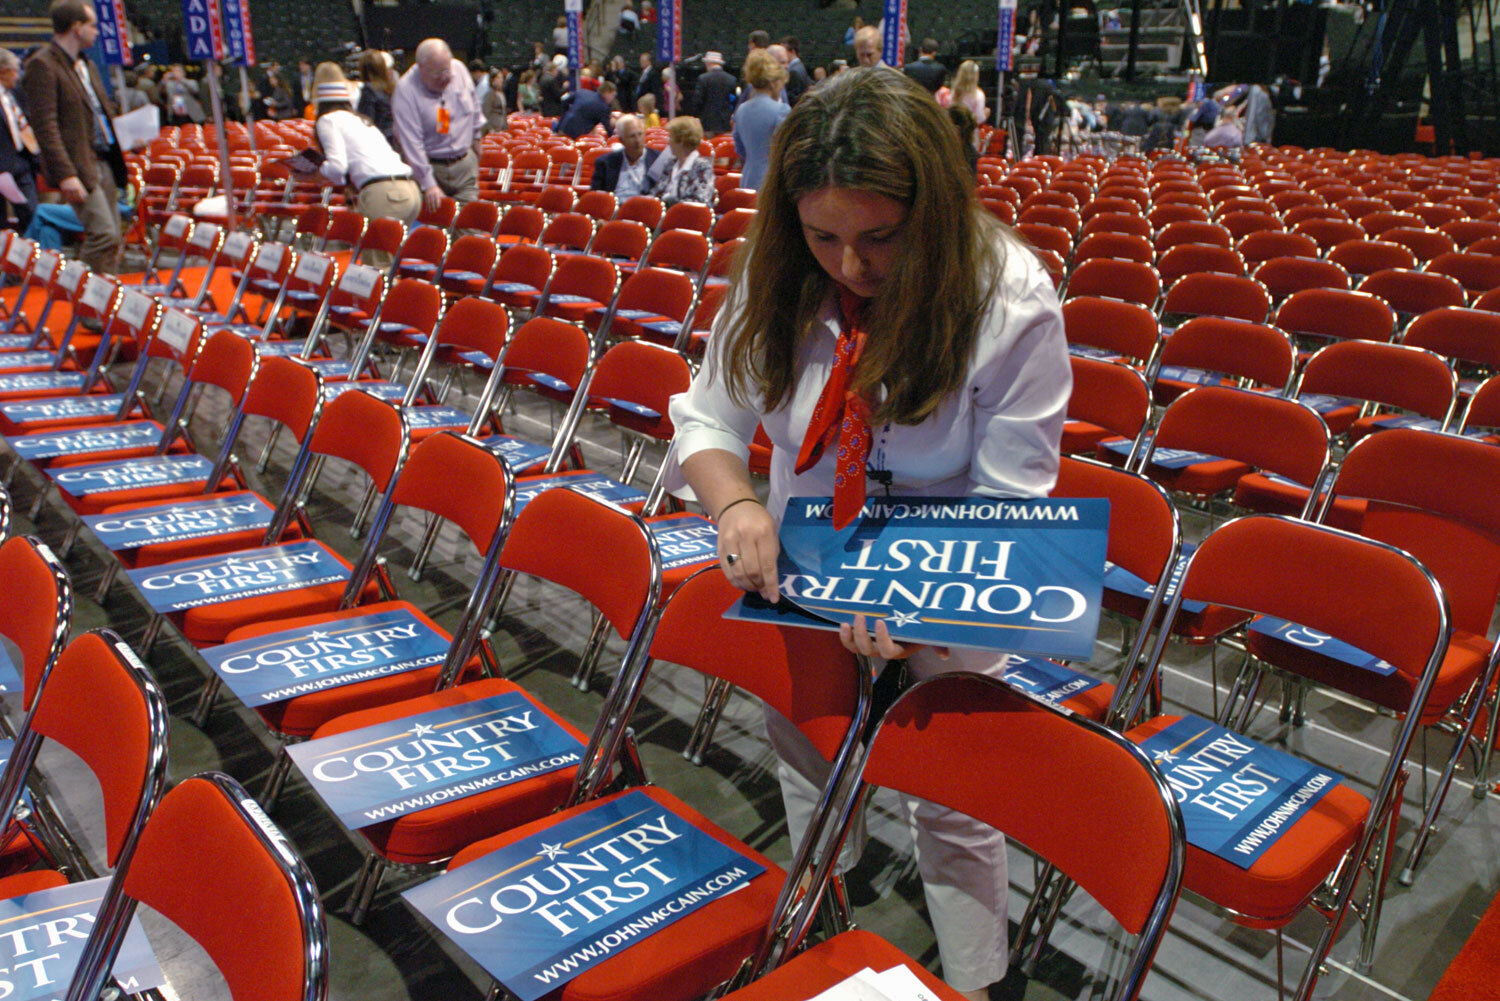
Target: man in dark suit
(797,80)
(713,98)
(586,109)
(17,143)
(650,82)
(66,102)
(625,171)
(927,70)
(623,77)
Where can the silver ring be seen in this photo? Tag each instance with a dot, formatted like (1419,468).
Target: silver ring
(730,559)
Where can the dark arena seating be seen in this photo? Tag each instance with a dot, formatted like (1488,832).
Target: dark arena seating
(1286,384)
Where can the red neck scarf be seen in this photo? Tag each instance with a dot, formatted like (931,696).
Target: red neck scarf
(842,414)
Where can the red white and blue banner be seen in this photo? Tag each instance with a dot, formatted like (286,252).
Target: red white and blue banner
(574,11)
(114,38)
(1321,643)
(212,580)
(45,933)
(130,474)
(239,39)
(1005,41)
(85,441)
(196,519)
(1237,796)
(202,25)
(1022,576)
(591,483)
(278,666)
(381,772)
(540,911)
(685,540)
(893,34)
(669,31)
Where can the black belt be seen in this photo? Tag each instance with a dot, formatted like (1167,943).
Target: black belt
(446,160)
(390,177)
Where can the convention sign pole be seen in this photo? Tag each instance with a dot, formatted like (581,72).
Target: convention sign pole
(202,25)
(239,42)
(893,52)
(669,45)
(114,42)
(574,11)
(1005,47)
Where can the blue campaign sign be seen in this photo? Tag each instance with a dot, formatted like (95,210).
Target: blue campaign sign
(16,342)
(64,408)
(278,666)
(1117,578)
(85,441)
(981,572)
(1321,643)
(1164,458)
(31,382)
(422,418)
(10,670)
(388,770)
(1324,404)
(1048,681)
(544,909)
(27,359)
(383,390)
(1196,376)
(684,542)
(210,580)
(519,455)
(596,486)
(203,29)
(1237,796)
(44,937)
(175,522)
(128,474)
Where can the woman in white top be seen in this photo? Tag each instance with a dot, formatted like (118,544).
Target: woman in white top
(879,320)
(357,154)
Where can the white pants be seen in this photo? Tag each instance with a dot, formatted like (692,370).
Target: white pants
(962,861)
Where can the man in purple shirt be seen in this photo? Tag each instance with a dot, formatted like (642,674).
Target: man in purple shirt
(437,118)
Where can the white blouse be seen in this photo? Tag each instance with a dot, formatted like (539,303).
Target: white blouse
(999,435)
(354,148)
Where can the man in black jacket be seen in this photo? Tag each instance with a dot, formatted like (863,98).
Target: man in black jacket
(713,98)
(797,80)
(625,171)
(927,70)
(649,82)
(586,109)
(17,143)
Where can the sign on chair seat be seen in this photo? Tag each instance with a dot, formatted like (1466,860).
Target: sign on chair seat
(86,441)
(381,772)
(46,933)
(130,474)
(549,906)
(212,580)
(66,409)
(194,519)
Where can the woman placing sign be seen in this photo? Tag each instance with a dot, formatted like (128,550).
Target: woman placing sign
(880,323)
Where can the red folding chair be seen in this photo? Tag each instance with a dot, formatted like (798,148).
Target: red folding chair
(1283,276)
(1327,233)
(467,266)
(207,843)
(1251,355)
(1115,279)
(687,215)
(621,241)
(1125,246)
(556,199)
(1366,256)
(1112,328)
(422,252)
(1477,273)
(1207,294)
(682,249)
(1047,237)
(730,226)
(1414,292)
(521,273)
(1131,864)
(479,217)
(1467,231)
(1331,314)
(650,295)
(1190,258)
(1117,222)
(578,284)
(1306,574)
(1170,213)
(1108,400)
(1425,244)
(520,224)
(645,209)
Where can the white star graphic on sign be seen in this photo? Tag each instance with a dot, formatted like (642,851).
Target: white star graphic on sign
(318,635)
(1164,758)
(552,851)
(423,729)
(899,619)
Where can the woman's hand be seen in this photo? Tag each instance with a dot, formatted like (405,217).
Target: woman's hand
(857,638)
(747,532)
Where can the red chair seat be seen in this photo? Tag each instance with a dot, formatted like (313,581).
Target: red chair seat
(207,625)
(1258,492)
(1271,892)
(301,716)
(1203,479)
(101,502)
(440,831)
(23,883)
(684,960)
(10,429)
(1081,436)
(1213,621)
(576,312)
(827,963)
(1464,661)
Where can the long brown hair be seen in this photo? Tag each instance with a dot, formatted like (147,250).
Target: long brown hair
(376,72)
(870,130)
